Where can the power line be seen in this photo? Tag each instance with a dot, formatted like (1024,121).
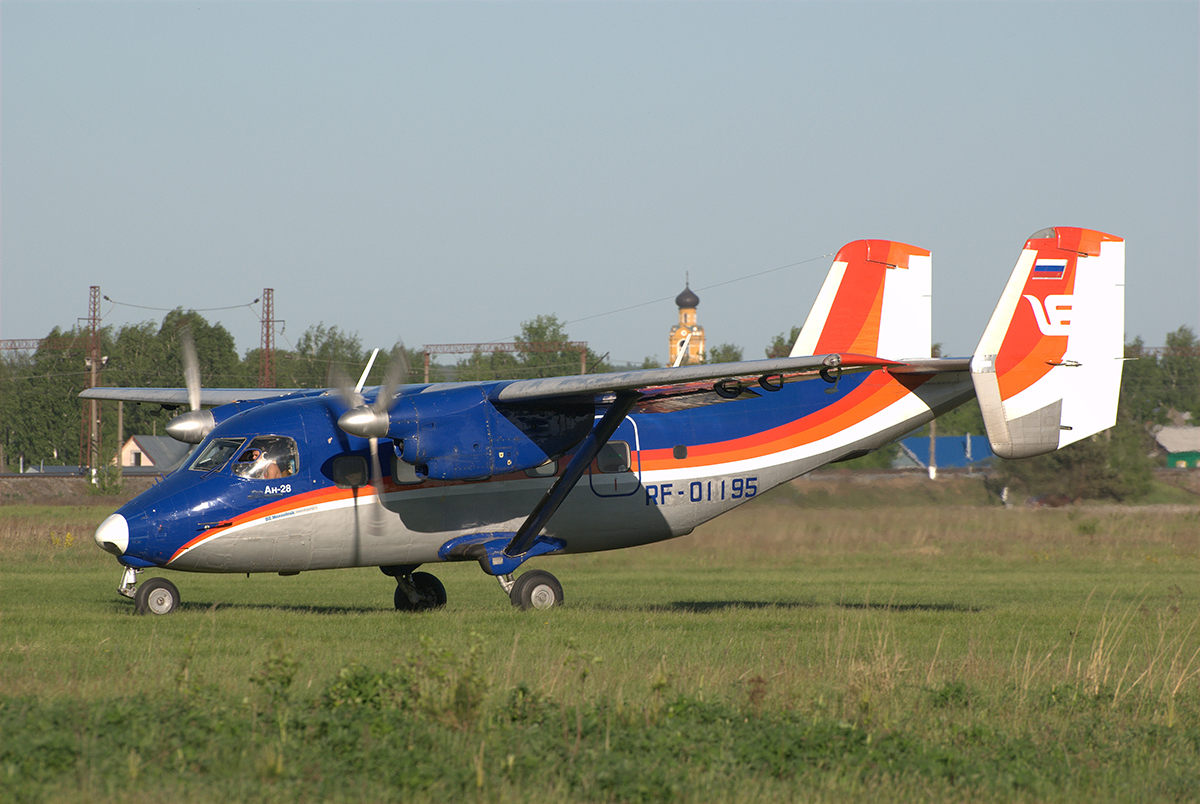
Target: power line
(706,287)
(116,303)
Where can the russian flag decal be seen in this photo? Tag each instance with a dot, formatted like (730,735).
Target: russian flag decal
(1049,269)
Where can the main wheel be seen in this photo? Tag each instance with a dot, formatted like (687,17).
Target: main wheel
(536,589)
(156,596)
(430,593)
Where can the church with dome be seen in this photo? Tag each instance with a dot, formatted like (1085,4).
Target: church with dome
(687,337)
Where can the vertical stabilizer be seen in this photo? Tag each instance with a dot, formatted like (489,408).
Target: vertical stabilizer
(1047,370)
(876,300)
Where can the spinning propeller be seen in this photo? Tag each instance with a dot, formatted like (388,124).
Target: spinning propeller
(193,426)
(375,415)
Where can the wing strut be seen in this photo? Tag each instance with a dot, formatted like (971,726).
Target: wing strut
(557,493)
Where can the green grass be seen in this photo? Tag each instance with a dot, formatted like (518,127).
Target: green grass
(786,651)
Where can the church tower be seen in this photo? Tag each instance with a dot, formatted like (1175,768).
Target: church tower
(687,336)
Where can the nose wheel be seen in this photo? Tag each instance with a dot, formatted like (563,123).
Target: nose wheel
(156,596)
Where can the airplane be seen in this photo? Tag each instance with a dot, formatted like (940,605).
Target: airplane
(500,472)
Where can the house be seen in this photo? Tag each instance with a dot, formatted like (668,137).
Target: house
(153,454)
(1182,445)
(953,452)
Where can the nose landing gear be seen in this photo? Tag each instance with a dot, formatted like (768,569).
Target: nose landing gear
(155,596)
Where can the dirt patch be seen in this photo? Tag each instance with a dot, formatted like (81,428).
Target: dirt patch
(1187,479)
(74,490)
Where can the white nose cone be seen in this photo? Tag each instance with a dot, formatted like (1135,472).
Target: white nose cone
(113,535)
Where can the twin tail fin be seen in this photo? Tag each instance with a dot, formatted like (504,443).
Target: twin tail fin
(1047,371)
(876,300)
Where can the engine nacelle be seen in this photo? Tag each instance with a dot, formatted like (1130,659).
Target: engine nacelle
(458,434)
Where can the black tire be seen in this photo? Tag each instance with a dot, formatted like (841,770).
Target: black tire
(536,589)
(430,589)
(156,596)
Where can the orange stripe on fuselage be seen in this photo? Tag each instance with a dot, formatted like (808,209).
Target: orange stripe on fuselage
(290,503)
(876,392)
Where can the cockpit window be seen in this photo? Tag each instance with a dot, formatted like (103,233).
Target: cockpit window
(267,458)
(216,454)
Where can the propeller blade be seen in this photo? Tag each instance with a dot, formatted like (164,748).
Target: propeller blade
(397,371)
(376,472)
(339,380)
(191,368)
(372,421)
(378,512)
(363,379)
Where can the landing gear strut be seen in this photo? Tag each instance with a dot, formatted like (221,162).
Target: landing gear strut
(128,583)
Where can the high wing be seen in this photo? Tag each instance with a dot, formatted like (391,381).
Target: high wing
(175,397)
(728,380)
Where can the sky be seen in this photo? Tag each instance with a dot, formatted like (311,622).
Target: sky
(443,172)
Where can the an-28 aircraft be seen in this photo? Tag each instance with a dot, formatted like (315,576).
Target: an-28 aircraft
(500,472)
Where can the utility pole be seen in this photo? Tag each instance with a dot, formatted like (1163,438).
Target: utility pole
(266,366)
(933,450)
(89,433)
(120,438)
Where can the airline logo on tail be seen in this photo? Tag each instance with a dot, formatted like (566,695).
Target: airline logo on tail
(1054,315)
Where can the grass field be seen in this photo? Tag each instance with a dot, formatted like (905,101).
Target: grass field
(815,645)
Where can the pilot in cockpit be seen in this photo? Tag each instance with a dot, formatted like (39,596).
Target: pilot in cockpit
(267,459)
(256,464)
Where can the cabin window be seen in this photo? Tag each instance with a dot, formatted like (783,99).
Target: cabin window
(268,458)
(349,471)
(216,454)
(613,457)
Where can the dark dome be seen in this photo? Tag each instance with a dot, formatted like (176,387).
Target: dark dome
(687,299)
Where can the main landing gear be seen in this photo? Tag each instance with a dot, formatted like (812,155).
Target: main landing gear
(155,596)
(536,589)
(419,591)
